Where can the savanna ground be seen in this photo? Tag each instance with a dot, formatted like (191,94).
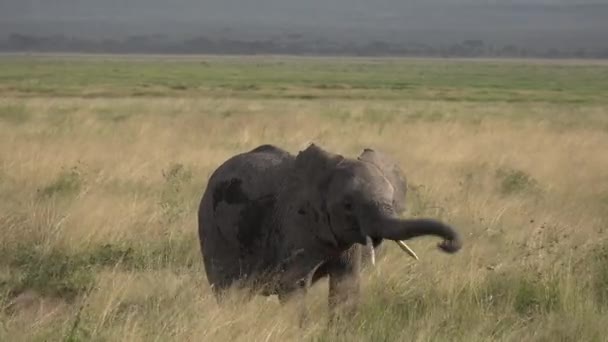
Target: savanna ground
(103,161)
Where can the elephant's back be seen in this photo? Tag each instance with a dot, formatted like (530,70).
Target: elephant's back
(249,175)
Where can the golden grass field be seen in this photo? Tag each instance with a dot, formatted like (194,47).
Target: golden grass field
(98,199)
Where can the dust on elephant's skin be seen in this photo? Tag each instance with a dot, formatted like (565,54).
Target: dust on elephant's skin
(276,223)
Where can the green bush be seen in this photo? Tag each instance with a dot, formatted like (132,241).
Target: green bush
(52,273)
(512,181)
(68,182)
(173,201)
(14,114)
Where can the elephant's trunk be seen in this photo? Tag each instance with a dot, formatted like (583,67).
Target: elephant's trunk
(404,229)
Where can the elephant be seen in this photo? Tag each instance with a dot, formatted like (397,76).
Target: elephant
(275,223)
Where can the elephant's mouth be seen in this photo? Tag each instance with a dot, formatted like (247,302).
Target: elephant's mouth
(370,243)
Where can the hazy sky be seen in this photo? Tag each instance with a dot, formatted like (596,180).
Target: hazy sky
(191,9)
(578,20)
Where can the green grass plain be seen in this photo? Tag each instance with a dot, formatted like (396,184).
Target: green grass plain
(306,78)
(103,161)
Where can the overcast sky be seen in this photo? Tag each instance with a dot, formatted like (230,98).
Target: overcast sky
(488,19)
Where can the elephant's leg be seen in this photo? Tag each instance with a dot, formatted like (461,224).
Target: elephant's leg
(227,276)
(221,289)
(344,284)
(219,293)
(219,284)
(298,295)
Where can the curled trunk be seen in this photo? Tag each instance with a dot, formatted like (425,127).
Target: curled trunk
(404,229)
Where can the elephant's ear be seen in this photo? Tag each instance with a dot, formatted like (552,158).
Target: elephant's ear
(392,172)
(315,164)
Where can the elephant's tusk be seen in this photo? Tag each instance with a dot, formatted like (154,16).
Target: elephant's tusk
(373,256)
(407,249)
(372,250)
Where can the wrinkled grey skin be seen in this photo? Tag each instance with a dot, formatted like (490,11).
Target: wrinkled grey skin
(276,223)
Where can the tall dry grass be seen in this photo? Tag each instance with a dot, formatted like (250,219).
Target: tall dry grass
(98,203)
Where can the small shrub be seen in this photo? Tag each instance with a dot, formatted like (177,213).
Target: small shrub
(514,181)
(55,273)
(244,87)
(66,183)
(110,255)
(535,296)
(303,97)
(114,117)
(227,113)
(600,278)
(172,199)
(52,273)
(178,87)
(177,175)
(14,114)
(526,296)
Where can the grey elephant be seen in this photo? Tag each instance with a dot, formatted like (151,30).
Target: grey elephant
(275,223)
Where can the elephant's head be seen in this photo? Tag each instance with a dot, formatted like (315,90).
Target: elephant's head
(358,200)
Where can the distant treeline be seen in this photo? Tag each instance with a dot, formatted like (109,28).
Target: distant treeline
(293,44)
